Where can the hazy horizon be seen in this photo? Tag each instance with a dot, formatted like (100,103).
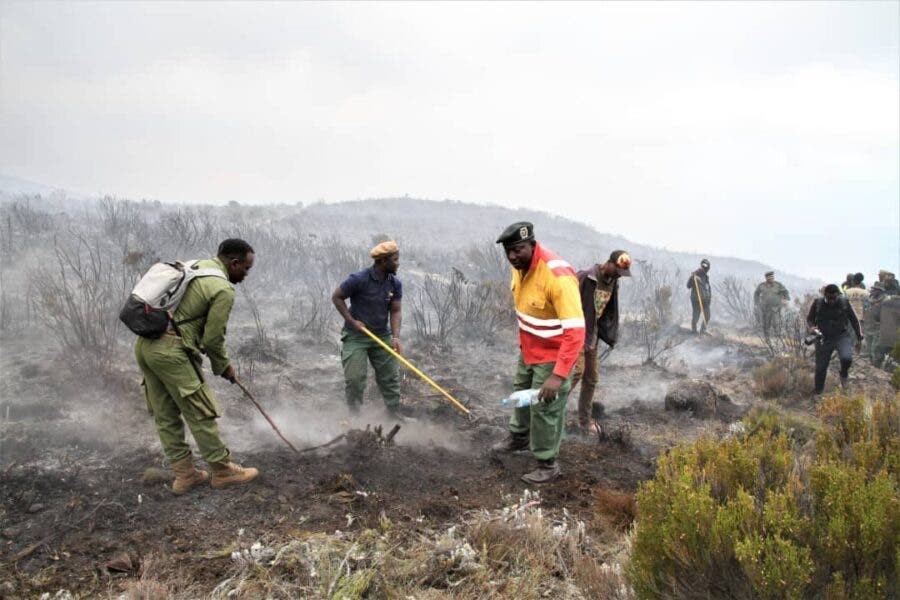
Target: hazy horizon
(768,132)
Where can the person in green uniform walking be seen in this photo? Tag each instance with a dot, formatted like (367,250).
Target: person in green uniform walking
(375,294)
(174,385)
(769,299)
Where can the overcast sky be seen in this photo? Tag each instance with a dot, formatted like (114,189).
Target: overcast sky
(762,130)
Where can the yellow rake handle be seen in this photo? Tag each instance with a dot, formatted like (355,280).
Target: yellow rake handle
(424,377)
(699,299)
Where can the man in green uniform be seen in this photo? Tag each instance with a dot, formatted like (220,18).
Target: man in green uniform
(872,323)
(174,385)
(889,281)
(375,294)
(769,298)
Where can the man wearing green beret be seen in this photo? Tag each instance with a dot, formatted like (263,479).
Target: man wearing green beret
(551,333)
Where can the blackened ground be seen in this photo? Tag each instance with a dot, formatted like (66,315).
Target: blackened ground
(62,525)
(76,493)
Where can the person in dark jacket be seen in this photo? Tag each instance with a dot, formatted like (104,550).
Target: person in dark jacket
(701,295)
(599,288)
(832,316)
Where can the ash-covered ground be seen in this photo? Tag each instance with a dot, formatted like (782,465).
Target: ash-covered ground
(85,499)
(85,504)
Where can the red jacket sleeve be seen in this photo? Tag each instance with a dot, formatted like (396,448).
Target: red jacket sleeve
(567,300)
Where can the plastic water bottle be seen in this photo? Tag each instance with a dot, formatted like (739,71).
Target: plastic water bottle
(521,398)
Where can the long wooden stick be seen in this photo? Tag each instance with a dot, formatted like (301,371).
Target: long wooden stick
(265,414)
(700,299)
(326,444)
(422,375)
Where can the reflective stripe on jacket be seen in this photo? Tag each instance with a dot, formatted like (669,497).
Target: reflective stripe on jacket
(548,311)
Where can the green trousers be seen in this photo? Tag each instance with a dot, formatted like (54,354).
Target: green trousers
(357,351)
(873,349)
(544,422)
(176,394)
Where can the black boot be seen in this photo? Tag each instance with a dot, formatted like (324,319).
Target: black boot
(547,471)
(514,442)
(396,413)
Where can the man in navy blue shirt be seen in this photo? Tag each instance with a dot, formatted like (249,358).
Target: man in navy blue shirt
(374,295)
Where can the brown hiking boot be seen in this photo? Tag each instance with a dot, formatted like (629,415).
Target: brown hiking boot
(187,476)
(514,442)
(227,473)
(546,472)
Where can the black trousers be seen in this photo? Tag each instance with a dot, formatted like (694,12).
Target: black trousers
(697,312)
(824,351)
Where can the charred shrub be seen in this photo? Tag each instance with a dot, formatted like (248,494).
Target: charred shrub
(77,298)
(452,307)
(765,515)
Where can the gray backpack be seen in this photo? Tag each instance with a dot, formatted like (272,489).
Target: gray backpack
(148,310)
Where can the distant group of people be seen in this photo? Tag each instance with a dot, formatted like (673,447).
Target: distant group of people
(768,299)
(843,317)
(881,299)
(850,316)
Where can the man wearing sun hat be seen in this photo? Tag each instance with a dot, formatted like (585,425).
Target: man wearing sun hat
(551,332)
(599,289)
(374,295)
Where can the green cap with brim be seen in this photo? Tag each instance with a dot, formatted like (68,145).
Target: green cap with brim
(522,231)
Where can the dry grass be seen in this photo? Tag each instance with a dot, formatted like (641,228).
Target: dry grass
(148,586)
(519,552)
(785,377)
(614,510)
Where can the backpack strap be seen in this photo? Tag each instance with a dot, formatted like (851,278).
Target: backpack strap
(196,273)
(818,305)
(208,272)
(188,320)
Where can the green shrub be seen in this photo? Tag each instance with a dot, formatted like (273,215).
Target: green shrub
(785,510)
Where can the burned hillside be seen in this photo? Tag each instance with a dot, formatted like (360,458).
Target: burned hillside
(424,511)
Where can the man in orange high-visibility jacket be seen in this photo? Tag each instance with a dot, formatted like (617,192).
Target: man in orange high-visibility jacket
(551,334)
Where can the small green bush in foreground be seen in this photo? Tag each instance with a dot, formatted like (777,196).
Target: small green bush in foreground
(780,511)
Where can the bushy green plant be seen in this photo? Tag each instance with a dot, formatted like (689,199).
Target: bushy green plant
(768,514)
